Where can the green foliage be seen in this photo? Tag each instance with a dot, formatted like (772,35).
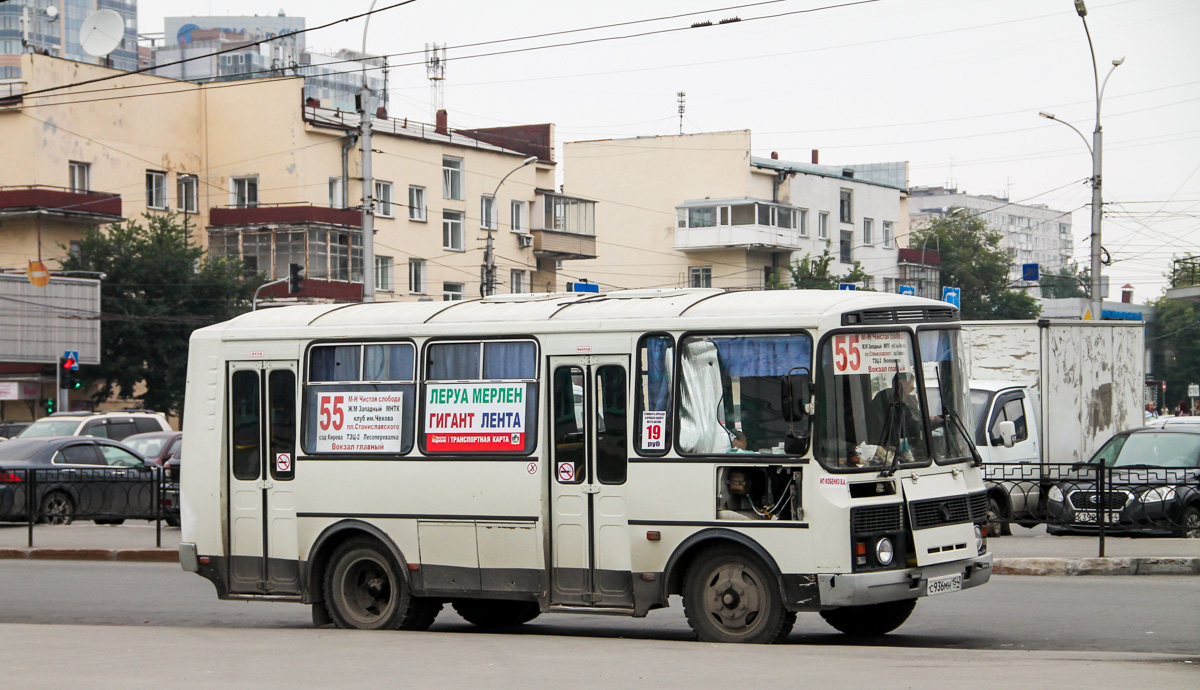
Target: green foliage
(1068,282)
(813,272)
(1176,333)
(158,289)
(972,259)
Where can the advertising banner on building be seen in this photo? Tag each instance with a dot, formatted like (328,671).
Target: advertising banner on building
(359,421)
(475,416)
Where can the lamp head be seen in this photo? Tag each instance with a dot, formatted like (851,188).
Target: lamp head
(1080,8)
(1048,116)
(1117,62)
(533,159)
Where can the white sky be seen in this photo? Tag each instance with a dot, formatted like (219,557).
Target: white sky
(952,86)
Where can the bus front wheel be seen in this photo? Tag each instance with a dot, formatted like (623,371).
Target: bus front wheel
(364,590)
(730,595)
(871,619)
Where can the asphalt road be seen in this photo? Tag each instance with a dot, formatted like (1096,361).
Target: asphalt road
(138,625)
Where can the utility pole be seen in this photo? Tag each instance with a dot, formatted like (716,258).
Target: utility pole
(368,183)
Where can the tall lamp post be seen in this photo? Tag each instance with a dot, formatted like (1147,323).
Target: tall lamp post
(368,183)
(1096,148)
(488,285)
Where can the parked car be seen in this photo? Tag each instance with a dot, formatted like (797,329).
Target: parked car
(1152,478)
(156,446)
(10,429)
(1161,422)
(76,477)
(114,425)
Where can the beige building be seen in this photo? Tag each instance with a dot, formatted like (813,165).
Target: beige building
(269,180)
(700,210)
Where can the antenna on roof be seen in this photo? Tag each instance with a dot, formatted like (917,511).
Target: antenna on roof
(435,70)
(682,107)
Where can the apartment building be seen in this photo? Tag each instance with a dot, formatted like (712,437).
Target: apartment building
(700,210)
(1030,233)
(51,27)
(268,179)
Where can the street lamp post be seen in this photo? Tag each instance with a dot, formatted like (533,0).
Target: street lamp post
(1096,149)
(488,285)
(368,183)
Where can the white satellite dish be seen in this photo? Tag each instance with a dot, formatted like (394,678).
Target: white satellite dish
(101,33)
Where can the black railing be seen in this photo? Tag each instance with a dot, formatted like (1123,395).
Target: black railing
(1085,498)
(105,495)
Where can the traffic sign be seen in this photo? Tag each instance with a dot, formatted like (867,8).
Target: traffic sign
(847,286)
(71,360)
(38,274)
(1029,272)
(582,286)
(953,296)
(1193,390)
(908,290)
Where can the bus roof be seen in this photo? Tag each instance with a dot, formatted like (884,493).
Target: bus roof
(758,308)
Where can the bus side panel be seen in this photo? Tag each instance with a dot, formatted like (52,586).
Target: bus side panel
(202,485)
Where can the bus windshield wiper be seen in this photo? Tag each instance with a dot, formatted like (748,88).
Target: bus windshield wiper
(952,414)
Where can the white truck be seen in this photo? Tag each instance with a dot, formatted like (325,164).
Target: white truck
(1045,393)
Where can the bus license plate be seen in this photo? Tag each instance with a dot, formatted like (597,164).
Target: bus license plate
(944,585)
(1090,516)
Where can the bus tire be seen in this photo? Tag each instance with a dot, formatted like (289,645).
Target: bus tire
(730,595)
(870,620)
(365,590)
(496,613)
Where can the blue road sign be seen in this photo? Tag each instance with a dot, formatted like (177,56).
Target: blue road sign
(583,287)
(908,290)
(72,356)
(1029,272)
(847,286)
(953,296)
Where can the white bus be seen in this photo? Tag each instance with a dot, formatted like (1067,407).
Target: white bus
(758,453)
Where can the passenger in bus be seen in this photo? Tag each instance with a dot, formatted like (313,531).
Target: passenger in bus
(882,419)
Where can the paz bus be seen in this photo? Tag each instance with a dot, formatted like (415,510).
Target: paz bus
(758,453)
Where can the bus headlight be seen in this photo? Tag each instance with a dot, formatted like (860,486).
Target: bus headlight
(884,552)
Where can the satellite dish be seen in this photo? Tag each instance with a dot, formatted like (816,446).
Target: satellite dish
(51,13)
(101,33)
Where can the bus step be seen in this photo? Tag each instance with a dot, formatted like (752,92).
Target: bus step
(594,610)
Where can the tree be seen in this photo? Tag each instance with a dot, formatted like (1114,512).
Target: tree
(813,273)
(158,288)
(973,260)
(1068,282)
(1176,334)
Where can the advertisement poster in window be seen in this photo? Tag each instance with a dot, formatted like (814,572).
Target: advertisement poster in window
(359,421)
(871,353)
(654,423)
(475,417)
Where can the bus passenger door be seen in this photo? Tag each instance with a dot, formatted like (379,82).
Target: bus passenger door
(589,543)
(263,554)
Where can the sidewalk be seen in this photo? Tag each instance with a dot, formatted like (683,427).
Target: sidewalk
(1026,552)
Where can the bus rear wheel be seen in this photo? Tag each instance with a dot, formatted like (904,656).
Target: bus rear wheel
(729,595)
(872,619)
(364,590)
(496,613)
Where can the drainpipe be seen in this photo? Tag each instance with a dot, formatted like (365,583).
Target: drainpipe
(351,139)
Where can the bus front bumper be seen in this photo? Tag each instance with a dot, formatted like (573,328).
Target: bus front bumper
(859,589)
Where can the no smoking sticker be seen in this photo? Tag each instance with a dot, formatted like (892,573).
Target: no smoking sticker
(566,471)
(531,468)
(283,462)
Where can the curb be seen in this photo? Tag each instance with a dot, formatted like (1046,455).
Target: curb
(126,555)
(1142,565)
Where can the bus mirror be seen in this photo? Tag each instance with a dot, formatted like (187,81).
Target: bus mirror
(795,396)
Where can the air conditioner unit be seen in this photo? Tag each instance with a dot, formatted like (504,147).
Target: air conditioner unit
(524,240)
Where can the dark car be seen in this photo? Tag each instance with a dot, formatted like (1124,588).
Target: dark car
(157,446)
(10,429)
(72,477)
(1151,480)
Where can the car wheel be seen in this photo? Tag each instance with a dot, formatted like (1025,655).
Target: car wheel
(997,524)
(730,595)
(1190,520)
(57,509)
(872,619)
(495,613)
(364,590)
(172,520)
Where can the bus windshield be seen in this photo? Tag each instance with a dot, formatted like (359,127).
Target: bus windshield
(869,415)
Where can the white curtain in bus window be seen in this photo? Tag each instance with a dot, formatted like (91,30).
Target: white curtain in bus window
(700,395)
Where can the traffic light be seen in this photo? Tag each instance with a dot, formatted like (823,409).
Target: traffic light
(295,278)
(49,403)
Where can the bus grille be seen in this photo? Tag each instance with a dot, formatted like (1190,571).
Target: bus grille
(876,519)
(979,506)
(868,317)
(935,512)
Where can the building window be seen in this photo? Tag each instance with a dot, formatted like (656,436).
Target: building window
(383,273)
(520,215)
(887,234)
(802,221)
(187,193)
(452,178)
(335,193)
(452,230)
(244,192)
(517,282)
(416,276)
(80,176)
(156,189)
(416,203)
(844,208)
(844,255)
(889,284)
(700,276)
(487,212)
(75,250)
(823,225)
(868,231)
(383,199)
(452,292)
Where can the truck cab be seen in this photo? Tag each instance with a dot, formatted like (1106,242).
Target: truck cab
(1005,416)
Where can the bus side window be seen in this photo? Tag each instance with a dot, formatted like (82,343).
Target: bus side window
(611,454)
(654,388)
(244,425)
(568,421)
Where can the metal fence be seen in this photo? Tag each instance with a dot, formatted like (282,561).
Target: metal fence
(105,495)
(1085,499)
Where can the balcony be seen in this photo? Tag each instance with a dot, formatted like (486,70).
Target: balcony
(283,214)
(1185,279)
(85,207)
(708,224)
(568,227)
